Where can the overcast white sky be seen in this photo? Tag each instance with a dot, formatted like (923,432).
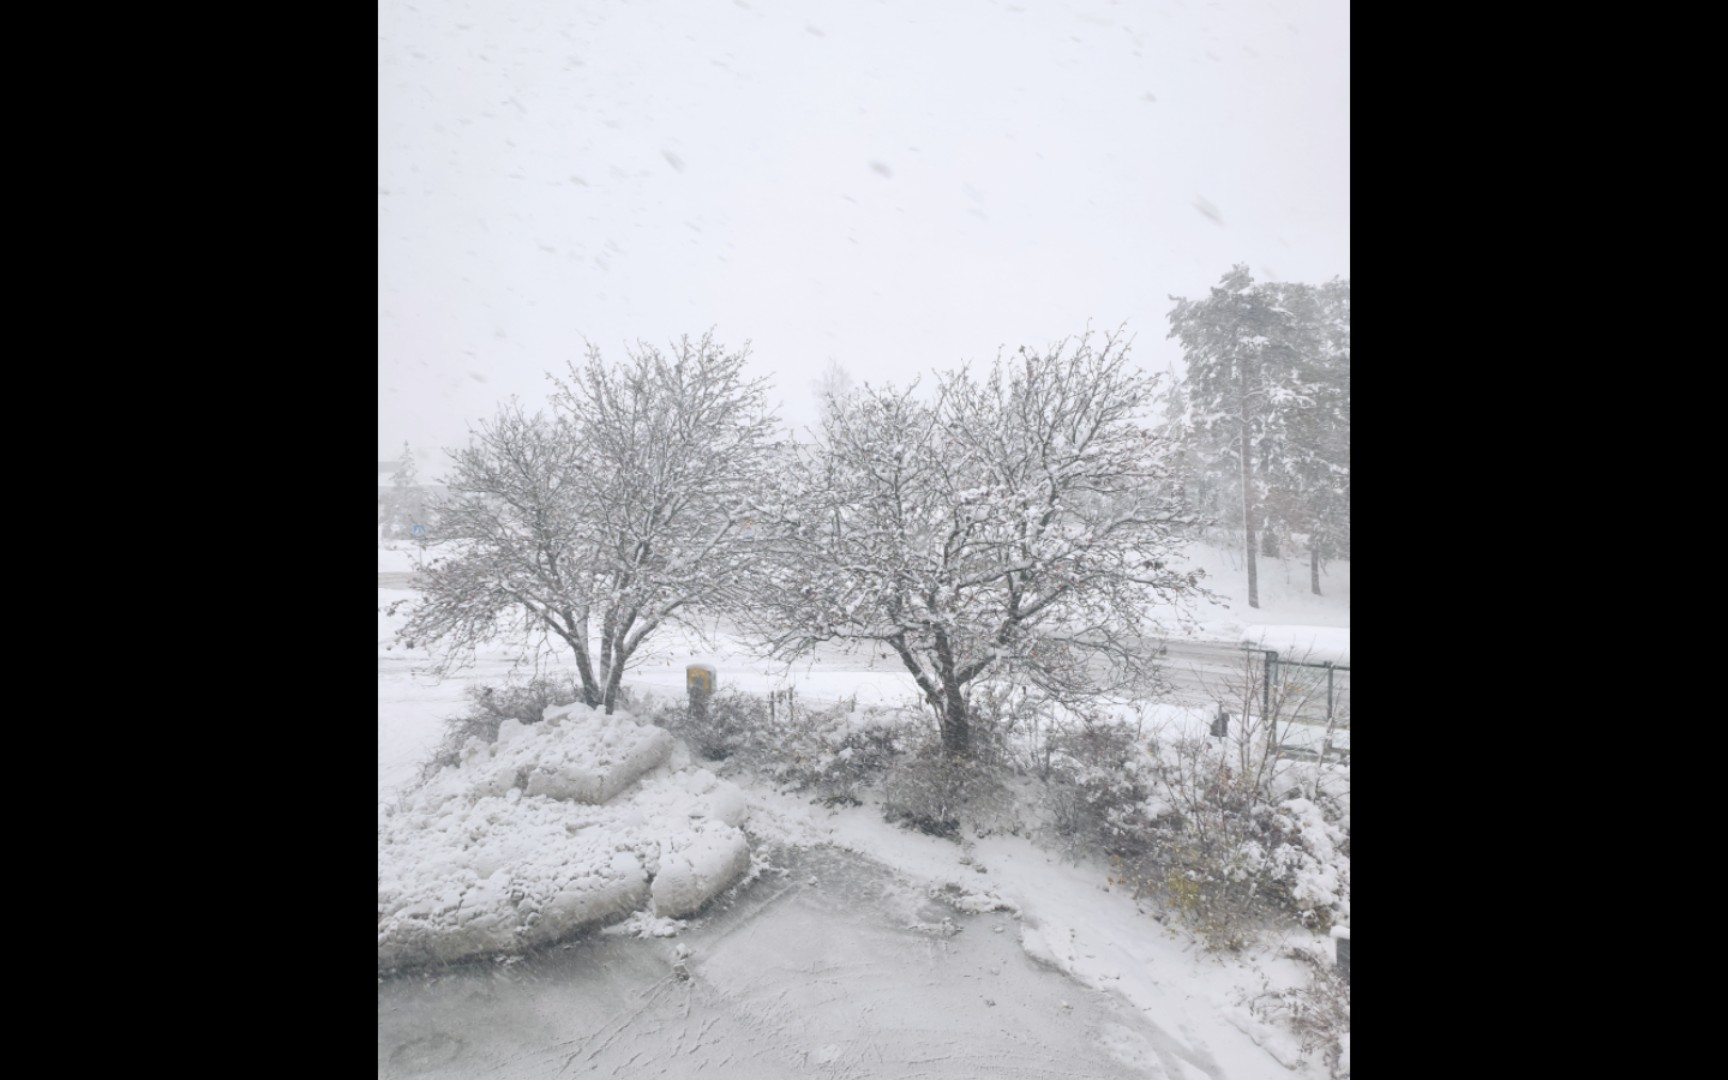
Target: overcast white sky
(896,185)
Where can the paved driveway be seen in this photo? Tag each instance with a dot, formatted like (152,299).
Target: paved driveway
(833,967)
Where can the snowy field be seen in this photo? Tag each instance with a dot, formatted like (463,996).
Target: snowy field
(852,947)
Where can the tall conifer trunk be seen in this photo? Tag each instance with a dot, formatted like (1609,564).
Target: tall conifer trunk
(1247,486)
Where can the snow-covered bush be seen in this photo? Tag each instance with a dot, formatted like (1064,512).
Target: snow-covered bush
(1012,723)
(1227,856)
(935,792)
(490,706)
(1097,788)
(732,722)
(830,750)
(1090,762)
(834,751)
(1317,1013)
(1313,862)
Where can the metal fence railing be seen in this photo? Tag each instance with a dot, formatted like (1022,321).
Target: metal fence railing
(1308,705)
(1308,692)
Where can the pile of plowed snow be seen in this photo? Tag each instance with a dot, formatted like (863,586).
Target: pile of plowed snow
(556,828)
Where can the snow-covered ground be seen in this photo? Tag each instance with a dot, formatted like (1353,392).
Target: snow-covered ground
(412,705)
(1285,596)
(793,978)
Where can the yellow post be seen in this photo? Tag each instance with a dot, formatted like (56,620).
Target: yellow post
(699,682)
(700,675)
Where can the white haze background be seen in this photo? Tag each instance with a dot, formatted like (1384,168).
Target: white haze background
(892,185)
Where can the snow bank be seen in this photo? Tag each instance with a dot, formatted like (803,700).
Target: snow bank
(507,851)
(698,868)
(1311,644)
(611,753)
(495,876)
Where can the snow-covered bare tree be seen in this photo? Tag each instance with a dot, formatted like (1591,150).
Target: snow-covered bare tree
(619,513)
(1016,524)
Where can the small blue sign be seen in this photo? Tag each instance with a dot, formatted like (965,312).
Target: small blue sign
(418,529)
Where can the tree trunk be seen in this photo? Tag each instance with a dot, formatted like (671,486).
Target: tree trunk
(956,728)
(607,637)
(943,695)
(1247,488)
(612,684)
(585,668)
(1268,542)
(590,688)
(614,675)
(1314,567)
